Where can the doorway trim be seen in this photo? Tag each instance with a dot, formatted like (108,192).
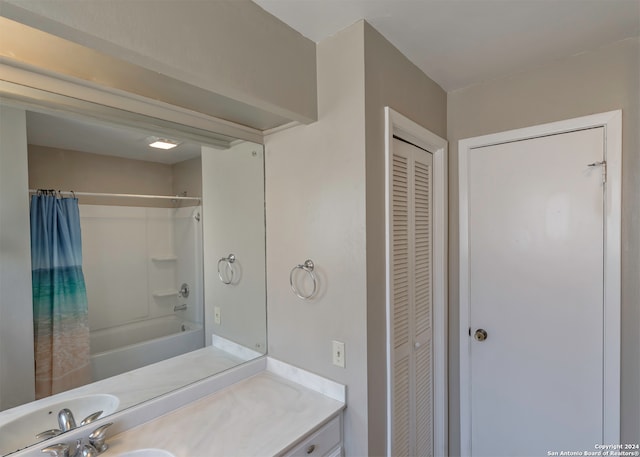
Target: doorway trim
(612,123)
(402,127)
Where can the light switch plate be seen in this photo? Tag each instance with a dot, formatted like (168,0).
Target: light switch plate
(338,354)
(216,315)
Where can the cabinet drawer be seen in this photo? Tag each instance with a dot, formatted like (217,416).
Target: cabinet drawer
(320,443)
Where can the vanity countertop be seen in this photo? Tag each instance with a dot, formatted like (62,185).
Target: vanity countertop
(263,415)
(142,384)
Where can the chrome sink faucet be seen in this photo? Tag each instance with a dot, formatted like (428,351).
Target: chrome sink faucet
(67,422)
(96,445)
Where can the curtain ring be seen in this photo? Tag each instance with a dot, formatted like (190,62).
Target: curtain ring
(228,267)
(307,267)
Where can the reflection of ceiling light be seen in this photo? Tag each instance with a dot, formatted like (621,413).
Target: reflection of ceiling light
(162,143)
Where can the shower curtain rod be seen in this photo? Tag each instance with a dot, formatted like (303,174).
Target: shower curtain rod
(103,194)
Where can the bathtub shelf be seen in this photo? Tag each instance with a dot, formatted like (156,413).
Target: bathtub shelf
(165,258)
(165,293)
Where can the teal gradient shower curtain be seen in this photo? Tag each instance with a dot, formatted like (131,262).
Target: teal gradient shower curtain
(60,312)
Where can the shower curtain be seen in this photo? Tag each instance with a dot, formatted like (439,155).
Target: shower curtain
(60,311)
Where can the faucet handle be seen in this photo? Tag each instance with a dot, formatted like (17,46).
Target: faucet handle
(89,451)
(48,434)
(63,449)
(74,450)
(91,417)
(97,438)
(57,450)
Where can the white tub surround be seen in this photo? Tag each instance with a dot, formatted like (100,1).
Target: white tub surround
(134,261)
(264,415)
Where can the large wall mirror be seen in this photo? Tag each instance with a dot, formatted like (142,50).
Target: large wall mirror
(172,262)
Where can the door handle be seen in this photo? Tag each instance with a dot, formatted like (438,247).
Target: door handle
(480,335)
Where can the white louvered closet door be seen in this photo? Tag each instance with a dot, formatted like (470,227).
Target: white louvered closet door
(411,301)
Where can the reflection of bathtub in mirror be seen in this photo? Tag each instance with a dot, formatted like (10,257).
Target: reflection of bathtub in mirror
(134,259)
(127,347)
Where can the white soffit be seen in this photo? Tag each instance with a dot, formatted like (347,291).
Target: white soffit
(458,43)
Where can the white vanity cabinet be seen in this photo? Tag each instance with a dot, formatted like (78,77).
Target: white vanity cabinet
(327,441)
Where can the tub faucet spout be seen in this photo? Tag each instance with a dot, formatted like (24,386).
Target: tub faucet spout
(66,421)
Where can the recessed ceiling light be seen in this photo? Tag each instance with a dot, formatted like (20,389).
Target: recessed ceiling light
(162,143)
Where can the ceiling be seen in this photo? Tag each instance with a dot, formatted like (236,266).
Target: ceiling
(458,43)
(96,137)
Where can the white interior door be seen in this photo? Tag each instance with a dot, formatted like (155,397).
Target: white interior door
(535,284)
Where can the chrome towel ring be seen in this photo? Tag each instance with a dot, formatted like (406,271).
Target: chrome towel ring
(307,267)
(228,271)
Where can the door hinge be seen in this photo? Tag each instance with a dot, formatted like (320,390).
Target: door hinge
(603,164)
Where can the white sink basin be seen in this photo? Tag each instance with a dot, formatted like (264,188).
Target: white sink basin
(147,453)
(21,431)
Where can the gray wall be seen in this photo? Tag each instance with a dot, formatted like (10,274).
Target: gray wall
(315,197)
(598,81)
(52,168)
(16,322)
(187,177)
(63,169)
(325,201)
(390,80)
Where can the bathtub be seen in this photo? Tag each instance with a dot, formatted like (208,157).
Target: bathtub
(127,347)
